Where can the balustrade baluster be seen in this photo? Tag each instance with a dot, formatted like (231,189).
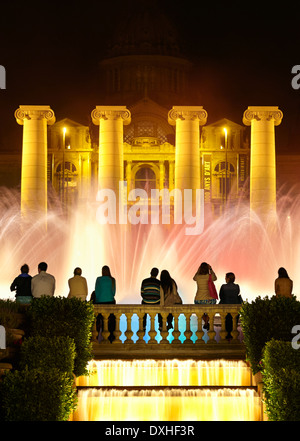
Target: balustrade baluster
(188,333)
(223,332)
(105,332)
(164,332)
(234,331)
(117,333)
(141,332)
(128,333)
(211,332)
(199,332)
(94,331)
(176,332)
(152,332)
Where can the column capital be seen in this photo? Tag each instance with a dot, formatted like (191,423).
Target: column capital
(34,112)
(262,113)
(111,112)
(187,113)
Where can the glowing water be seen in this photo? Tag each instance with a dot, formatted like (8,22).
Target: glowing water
(194,391)
(131,251)
(166,373)
(168,405)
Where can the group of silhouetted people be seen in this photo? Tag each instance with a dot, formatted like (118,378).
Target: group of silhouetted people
(154,291)
(27,287)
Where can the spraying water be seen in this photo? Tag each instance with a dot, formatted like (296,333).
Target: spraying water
(132,250)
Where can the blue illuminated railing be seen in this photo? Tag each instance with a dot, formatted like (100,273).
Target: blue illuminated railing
(138,328)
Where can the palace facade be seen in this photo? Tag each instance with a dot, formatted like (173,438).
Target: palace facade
(146,71)
(149,157)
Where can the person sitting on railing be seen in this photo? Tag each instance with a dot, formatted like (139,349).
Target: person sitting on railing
(202,295)
(150,292)
(283,284)
(78,285)
(105,290)
(230,294)
(169,294)
(22,285)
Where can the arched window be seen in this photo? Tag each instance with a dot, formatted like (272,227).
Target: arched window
(66,179)
(145,179)
(221,167)
(69,166)
(225,173)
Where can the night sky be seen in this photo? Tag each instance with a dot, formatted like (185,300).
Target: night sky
(243,51)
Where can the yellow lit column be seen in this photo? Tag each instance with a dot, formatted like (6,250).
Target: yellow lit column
(262,120)
(187,154)
(171,175)
(85,175)
(110,120)
(161,174)
(128,175)
(34,120)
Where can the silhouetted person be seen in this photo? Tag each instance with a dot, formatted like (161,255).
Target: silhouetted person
(105,290)
(43,284)
(150,292)
(78,285)
(202,296)
(169,294)
(22,285)
(230,294)
(283,284)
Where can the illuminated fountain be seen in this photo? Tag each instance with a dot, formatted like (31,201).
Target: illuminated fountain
(109,373)
(131,251)
(168,390)
(225,243)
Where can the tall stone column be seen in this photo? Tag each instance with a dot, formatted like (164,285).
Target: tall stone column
(262,120)
(128,175)
(34,120)
(161,174)
(110,120)
(171,175)
(187,154)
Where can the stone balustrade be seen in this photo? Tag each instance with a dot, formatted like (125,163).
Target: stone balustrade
(186,339)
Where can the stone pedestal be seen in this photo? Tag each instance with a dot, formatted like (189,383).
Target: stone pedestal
(262,120)
(34,120)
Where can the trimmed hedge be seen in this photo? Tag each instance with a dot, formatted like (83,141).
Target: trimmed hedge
(35,395)
(281,381)
(48,353)
(58,345)
(10,316)
(264,319)
(63,317)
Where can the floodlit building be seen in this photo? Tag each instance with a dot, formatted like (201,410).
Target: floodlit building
(146,71)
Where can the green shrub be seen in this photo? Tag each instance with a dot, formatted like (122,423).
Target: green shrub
(12,315)
(48,353)
(264,319)
(62,317)
(36,395)
(281,381)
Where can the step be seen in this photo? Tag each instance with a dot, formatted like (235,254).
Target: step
(168,404)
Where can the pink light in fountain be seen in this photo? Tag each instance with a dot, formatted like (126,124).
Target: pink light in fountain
(131,251)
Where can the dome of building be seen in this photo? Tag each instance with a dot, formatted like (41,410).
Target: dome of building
(145,31)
